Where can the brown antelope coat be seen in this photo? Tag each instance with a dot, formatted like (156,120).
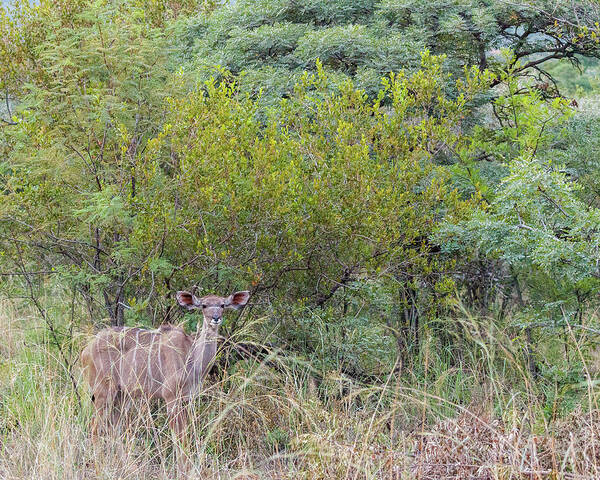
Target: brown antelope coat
(125,363)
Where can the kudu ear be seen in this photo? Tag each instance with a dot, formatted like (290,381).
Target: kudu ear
(237,300)
(187,300)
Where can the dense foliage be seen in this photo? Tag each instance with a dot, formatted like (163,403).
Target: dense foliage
(365,196)
(274,41)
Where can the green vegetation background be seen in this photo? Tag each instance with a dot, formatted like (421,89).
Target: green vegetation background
(407,188)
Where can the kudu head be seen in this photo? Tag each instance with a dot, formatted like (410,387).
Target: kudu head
(212,306)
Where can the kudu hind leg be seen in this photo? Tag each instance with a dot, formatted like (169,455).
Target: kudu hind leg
(103,397)
(117,411)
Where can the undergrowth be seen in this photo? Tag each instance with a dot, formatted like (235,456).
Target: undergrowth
(471,410)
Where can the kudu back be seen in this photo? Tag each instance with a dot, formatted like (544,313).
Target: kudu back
(125,362)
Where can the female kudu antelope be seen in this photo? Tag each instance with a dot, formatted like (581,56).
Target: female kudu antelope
(168,364)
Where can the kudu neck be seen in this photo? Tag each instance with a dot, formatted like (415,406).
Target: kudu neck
(202,353)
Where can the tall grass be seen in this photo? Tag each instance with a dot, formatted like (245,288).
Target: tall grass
(470,412)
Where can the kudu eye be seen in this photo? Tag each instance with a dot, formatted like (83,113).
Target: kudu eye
(203,306)
(222,305)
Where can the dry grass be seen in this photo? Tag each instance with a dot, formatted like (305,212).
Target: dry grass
(258,423)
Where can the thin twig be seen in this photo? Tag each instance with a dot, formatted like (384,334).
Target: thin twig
(42,311)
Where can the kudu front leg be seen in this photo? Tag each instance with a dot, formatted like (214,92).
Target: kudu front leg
(178,420)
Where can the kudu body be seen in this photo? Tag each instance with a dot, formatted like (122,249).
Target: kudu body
(124,363)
